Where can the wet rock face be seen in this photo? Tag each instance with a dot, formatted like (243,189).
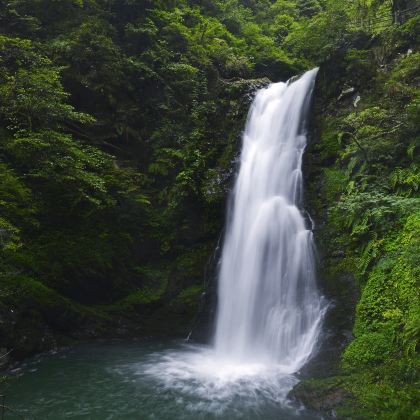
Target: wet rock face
(337,286)
(321,388)
(323,397)
(4,357)
(342,295)
(203,325)
(22,337)
(218,183)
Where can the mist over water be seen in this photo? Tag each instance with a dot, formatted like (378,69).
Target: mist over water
(148,380)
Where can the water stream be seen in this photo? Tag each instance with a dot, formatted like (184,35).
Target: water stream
(269,310)
(269,307)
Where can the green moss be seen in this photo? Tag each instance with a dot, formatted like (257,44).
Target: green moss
(368,349)
(391,296)
(36,318)
(137,301)
(335,183)
(142,296)
(329,145)
(23,291)
(382,361)
(366,202)
(190,295)
(380,397)
(360,66)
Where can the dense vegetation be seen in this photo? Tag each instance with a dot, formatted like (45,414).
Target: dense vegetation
(366,199)
(119,127)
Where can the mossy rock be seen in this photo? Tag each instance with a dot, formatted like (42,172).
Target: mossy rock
(328,396)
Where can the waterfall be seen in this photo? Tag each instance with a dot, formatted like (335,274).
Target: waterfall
(269,308)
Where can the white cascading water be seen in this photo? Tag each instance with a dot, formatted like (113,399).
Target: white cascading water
(269,307)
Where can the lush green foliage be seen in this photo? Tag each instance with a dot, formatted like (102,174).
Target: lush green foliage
(369,151)
(119,121)
(119,127)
